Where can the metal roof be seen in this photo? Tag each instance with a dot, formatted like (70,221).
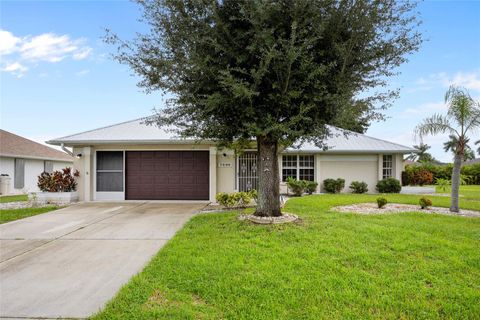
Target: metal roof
(345,141)
(137,132)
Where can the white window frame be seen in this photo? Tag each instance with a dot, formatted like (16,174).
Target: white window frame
(297,167)
(387,166)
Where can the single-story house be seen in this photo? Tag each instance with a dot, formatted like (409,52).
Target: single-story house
(135,161)
(23,160)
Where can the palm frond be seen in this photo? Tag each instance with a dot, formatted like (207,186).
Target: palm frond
(434,125)
(461,106)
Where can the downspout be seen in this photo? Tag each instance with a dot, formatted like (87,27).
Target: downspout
(70,153)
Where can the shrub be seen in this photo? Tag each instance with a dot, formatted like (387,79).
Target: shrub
(389,185)
(311,186)
(234,199)
(333,185)
(296,186)
(359,187)
(472,172)
(381,202)
(225,199)
(425,202)
(253,194)
(412,174)
(423,177)
(58,181)
(443,184)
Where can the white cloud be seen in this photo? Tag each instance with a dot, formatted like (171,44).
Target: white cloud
(426,109)
(8,42)
(15,68)
(468,80)
(46,47)
(82,72)
(82,54)
(53,48)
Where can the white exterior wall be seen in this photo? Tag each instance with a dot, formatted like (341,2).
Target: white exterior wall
(33,168)
(59,165)
(351,168)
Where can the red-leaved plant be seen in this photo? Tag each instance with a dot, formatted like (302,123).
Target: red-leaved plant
(58,181)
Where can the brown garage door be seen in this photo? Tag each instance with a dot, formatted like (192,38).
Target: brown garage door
(167,175)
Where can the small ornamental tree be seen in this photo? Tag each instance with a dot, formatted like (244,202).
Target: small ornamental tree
(275,71)
(461,121)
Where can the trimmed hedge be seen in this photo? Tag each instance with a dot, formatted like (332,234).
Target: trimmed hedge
(334,185)
(389,185)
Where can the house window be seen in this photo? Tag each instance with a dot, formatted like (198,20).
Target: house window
(387,166)
(19,174)
(289,167)
(300,167)
(48,166)
(110,171)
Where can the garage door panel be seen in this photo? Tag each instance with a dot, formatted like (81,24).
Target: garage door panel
(175,175)
(201,180)
(147,179)
(174,180)
(188,164)
(174,164)
(188,179)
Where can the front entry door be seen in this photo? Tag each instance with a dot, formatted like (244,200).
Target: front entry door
(247,171)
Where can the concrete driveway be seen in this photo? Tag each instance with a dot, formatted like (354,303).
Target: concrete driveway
(70,262)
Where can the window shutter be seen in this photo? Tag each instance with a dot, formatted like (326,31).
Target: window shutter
(19,174)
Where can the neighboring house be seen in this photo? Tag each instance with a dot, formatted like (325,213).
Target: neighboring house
(23,160)
(134,161)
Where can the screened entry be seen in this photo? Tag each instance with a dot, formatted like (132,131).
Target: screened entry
(110,171)
(247,171)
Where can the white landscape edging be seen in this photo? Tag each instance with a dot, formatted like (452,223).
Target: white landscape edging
(54,197)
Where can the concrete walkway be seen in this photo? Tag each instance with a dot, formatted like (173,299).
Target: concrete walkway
(68,263)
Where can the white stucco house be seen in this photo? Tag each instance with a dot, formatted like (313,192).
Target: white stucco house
(23,160)
(135,161)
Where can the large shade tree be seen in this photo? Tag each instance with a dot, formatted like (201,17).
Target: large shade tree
(461,121)
(274,71)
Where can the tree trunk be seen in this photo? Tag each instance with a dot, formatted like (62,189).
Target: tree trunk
(268,178)
(457,164)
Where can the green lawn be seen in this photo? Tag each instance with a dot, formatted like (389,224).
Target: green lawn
(329,266)
(471,193)
(8,215)
(15,198)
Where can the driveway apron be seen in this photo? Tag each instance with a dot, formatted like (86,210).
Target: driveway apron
(68,263)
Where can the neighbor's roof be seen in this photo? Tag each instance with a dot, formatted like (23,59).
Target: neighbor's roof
(137,132)
(473,161)
(12,145)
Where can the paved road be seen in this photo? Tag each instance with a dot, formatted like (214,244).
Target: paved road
(70,262)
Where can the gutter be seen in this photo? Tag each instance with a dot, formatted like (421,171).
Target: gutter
(70,153)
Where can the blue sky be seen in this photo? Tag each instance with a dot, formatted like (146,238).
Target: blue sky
(57,78)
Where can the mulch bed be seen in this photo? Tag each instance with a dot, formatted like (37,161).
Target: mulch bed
(372,208)
(284,218)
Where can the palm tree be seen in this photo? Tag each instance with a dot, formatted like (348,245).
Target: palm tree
(422,155)
(463,118)
(451,144)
